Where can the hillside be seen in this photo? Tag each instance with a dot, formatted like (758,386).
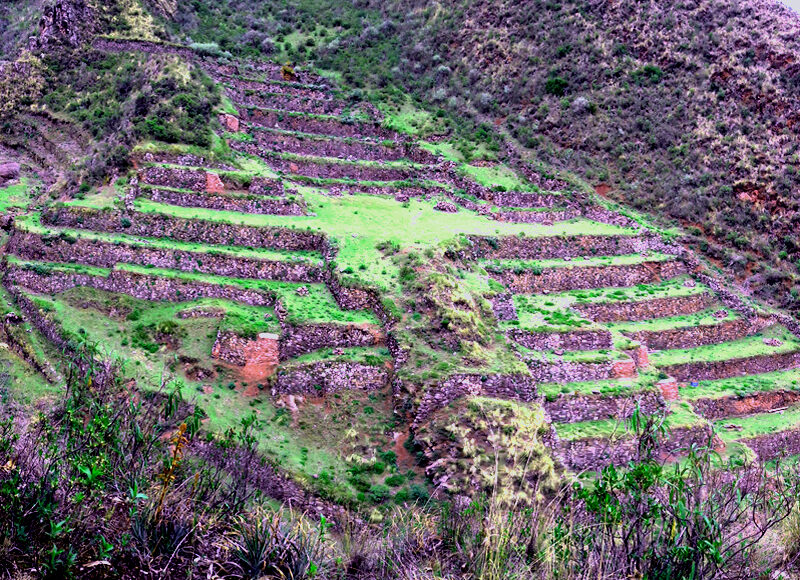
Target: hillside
(265,314)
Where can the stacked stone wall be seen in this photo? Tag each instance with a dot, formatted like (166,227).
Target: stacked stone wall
(333,170)
(528,200)
(554,247)
(513,387)
(645,309)
(339,148)
(692,336)
(761,402)
(285,102)
(574,409)
(243,204)
(571,340)
(570,371)
(594,454)
(106,254)
(298,340)
(536,217)
(184,229)
(775,445)
(184,159)
(143,287)
(317,125)
(723,369)
(583,277)
(325,377)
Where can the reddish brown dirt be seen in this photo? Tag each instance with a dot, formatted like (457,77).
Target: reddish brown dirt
(602,189)
(623,369)
(262,361)
(214,183)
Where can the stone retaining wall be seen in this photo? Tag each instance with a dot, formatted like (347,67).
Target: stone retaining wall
(332,170)
(775,445)
(574,409)
(554,247)
(332,147)
(514,387)
(107,254)
(184,229)
(582,277)
(524,199)
(325,377)
(317,125)
(570,371)
(761,402)
(242,204)
(692,336)
(285,102)
(143,287)
(712,370)
(594,454)
(192,179)
(503,307)
(570,340)
(280,87)
(185,159)
(298,340)
(536,217)
(645,309)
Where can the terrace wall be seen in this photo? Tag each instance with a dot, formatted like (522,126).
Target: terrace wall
(775,445)
(596,453)
(243,204)
(185,229)
(761,402)
(143,287)
(514,387)
(325,377)
(645,309)
(185,159)
(525,199)
(576,408)
(536,217)
(580,277)
(350,149)
(570,340)
(692,336)
(107,254)
(333,170)
(554,247)
(723,369)
(298,340)
(570,371)
(286,102)
(317,125)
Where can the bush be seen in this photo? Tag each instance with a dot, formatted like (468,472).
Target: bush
(556,86)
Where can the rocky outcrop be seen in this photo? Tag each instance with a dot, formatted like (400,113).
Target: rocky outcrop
(775,445)
(9,172)
(64,23)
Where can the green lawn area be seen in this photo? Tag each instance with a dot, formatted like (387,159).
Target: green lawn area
(359,222)
(702,318)
(500,175)
(15,196)
(680,415)
(738,386)
(746,347)
(540,313)
(761,424)
(606,387)
(671,288)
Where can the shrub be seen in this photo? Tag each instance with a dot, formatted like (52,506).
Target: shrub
(556,86)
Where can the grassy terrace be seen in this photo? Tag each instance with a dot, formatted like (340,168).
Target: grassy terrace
(499,175)
(355,183)
(15,196)
(702,318)
(523,265)
(621,387)
(320,137)
(359,222)
(672,288)
(761,424)
(364,355)
(580,356)
(317,306)
(356,116)
(31,223)
(746,347)
(399,164)
(740,386)
(541,313)
(680,415)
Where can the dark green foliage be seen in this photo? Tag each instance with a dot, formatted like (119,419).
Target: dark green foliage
(556,86)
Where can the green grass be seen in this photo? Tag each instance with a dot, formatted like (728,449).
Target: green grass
(702,318)
(21,383)
(500,175)
(540,313)
(359,222)
(680,415)
(761,424)
(363,355)
(740,386)
(609,387)
(16,196)
(743,348)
